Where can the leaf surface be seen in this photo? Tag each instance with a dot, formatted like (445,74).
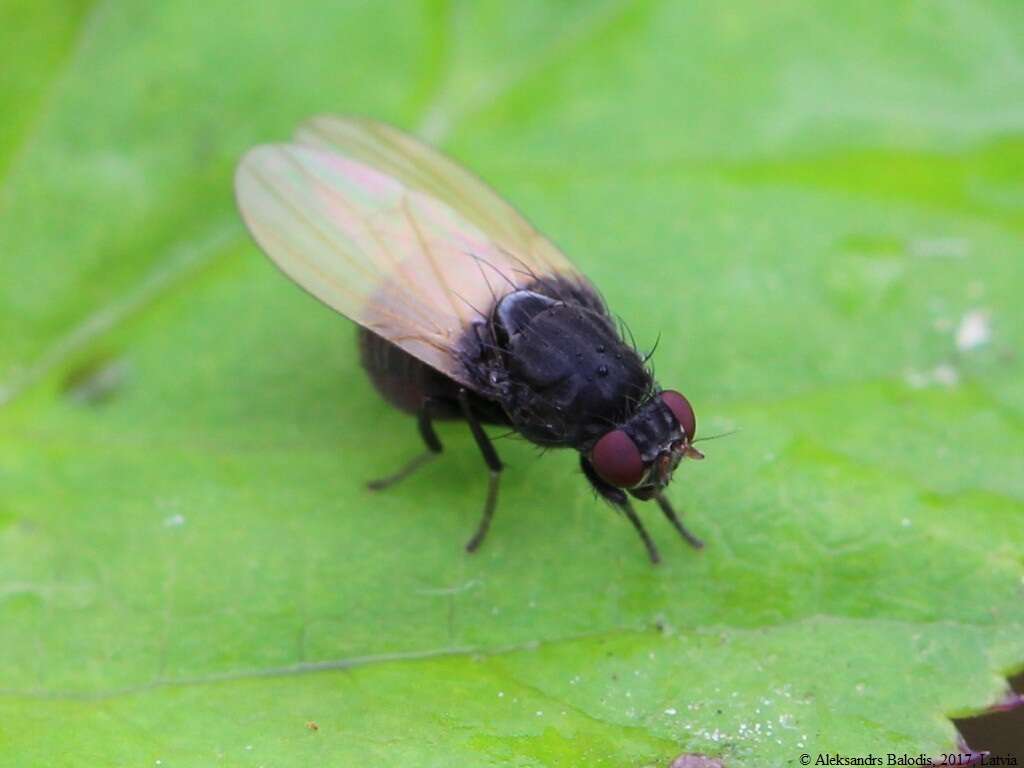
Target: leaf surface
(808,203)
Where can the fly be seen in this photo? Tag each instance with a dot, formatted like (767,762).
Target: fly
(465,310)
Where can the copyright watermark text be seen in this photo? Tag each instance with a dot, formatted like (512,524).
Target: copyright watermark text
(894,758)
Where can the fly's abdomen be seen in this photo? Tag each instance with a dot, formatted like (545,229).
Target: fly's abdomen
(407,383)
(400,378)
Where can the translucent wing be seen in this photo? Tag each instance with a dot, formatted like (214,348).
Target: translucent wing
(391,234)
(421,167)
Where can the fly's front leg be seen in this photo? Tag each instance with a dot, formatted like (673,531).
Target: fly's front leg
(670,513)
(619,498)
(493,464)
(426,427)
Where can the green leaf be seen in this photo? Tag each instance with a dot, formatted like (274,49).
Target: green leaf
(808,202)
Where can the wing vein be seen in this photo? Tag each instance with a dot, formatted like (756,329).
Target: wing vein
(325,277)
(428,253)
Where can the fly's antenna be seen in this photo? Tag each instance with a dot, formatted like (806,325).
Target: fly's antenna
(715,437)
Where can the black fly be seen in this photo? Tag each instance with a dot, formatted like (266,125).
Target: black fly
(387,231)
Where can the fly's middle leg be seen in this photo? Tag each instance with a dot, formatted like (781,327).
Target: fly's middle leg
(494,465)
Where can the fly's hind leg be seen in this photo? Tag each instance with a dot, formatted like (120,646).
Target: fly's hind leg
(619,498)
(426,427)
(493,464)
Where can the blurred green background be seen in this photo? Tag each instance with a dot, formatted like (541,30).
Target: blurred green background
(820,208)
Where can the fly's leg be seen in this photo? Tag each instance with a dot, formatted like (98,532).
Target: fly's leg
(426,427)
(670,513)
(619,498)
(494,465)
(652,551)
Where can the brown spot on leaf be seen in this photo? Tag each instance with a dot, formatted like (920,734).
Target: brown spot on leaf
(95,381)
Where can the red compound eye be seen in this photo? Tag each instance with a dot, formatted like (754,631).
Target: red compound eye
(617,460)
(682,410)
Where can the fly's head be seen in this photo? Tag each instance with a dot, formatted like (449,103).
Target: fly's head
(641,455)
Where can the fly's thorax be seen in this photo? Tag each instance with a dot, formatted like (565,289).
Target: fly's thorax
(569,375)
